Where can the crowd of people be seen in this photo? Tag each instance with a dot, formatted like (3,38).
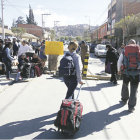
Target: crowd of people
(22,54)
(125,61)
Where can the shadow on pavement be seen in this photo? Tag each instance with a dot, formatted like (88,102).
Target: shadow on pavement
(22,128)
(92,122)
(98,121)
(98,87)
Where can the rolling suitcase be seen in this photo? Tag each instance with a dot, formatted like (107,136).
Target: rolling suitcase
(69,116)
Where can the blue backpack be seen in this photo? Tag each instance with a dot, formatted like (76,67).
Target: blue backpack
(66,67)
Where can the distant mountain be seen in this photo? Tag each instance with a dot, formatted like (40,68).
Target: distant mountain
(73,30)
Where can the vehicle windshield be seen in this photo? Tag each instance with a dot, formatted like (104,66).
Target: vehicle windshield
(101,47)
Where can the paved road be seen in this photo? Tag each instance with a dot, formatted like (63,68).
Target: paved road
(28,109)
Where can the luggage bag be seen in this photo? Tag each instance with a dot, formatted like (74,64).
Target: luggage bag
(69,116)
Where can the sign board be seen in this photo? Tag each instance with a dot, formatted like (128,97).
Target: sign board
(54,48)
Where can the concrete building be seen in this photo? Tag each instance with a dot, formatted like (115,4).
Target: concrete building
(117,10)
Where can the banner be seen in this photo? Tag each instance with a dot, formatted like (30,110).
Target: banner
(54,48)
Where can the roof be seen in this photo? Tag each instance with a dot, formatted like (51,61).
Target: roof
(30,36)
(7,31)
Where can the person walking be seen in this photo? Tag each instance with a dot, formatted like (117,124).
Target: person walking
(7,59)
(84,50)
(130,60)
(112,58)
(72,80)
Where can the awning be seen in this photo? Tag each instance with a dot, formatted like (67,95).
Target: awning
(7,31)
(29,36)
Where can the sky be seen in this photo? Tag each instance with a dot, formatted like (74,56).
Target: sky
(67,12)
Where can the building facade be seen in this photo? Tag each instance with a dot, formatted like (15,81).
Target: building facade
(117,10)
(33,29)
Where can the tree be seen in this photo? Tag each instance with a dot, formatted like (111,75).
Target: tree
(30,19)
(78,38)
(129,25)
(18,31)
(20,20)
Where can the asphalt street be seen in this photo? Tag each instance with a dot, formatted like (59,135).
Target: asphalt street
(28,109)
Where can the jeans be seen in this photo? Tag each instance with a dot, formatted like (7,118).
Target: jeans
(134,82)
(8,68)
(71,83)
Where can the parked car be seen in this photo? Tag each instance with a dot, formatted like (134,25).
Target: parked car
(92,48)
(100,50)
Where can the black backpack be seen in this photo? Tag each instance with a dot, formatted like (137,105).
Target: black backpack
(66,67)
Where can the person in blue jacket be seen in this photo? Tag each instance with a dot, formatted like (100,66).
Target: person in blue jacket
(7,59)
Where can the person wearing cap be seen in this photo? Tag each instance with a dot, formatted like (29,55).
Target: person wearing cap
(84,51)
(22,60)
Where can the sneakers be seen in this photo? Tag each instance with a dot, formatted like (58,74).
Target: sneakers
(131,110)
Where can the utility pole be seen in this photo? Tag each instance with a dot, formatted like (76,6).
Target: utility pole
(43,25)
(55,25)
(2,8)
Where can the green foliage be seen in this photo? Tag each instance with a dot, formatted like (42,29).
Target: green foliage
(30,19)
(129,24)
(20,20)
(18,31)
(78,38)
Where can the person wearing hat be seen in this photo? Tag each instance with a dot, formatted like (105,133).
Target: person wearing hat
(84,50)
(22,60)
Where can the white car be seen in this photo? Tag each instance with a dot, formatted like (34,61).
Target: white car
(100,50)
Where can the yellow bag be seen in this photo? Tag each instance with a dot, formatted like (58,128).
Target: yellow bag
(54,48)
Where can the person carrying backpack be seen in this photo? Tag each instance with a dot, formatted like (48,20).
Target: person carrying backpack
(70,69)
(129,61)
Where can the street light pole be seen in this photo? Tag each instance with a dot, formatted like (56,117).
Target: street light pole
(3,34)
(43,20)
(43,25)
(55,25)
